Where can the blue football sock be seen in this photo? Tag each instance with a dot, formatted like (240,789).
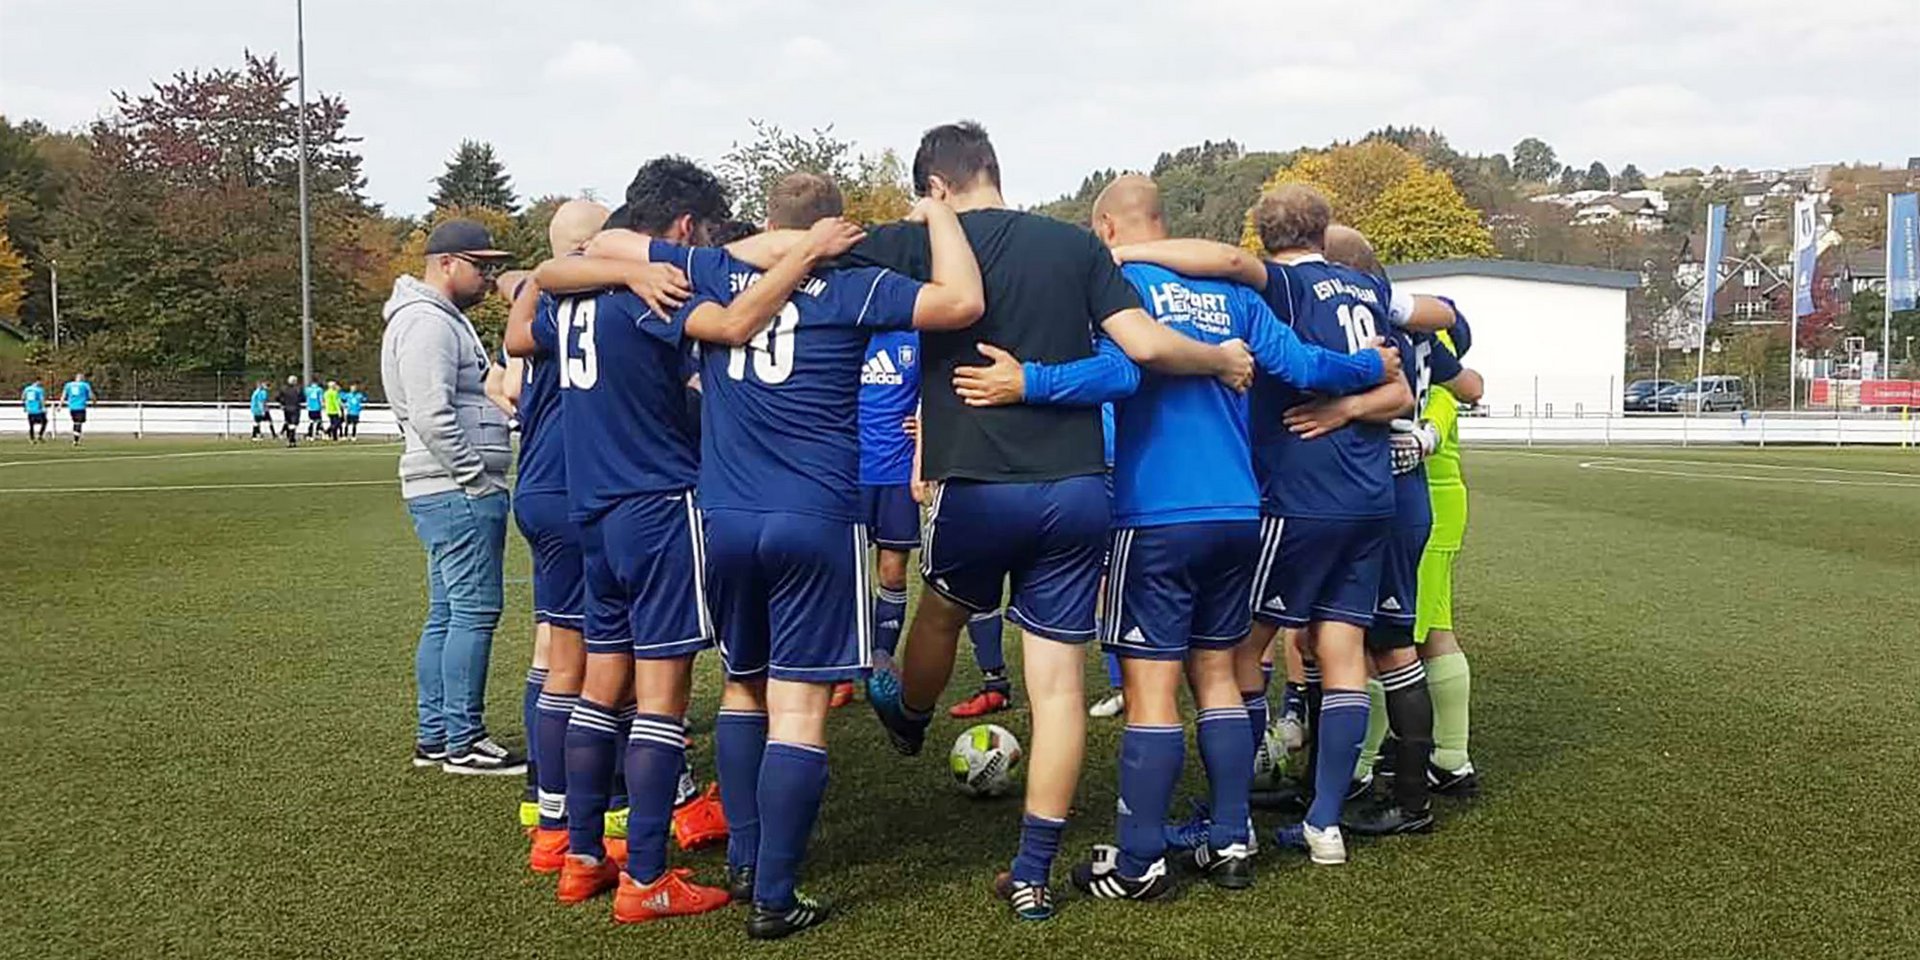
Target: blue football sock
(655,749)
(983,629)
(1039,844)
(550,740)
(1255,703)
(592,742)
(1150,761)
(739,744)
(1113,671)
(1293,701)
(529,717)
(1266,676)
(793,778)
(889,615)
(1227,752)
(617,786)
(1343,725)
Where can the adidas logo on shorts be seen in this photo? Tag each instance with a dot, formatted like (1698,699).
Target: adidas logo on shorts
(879,369)
(1390,604)
(1135,636)
(1277,605)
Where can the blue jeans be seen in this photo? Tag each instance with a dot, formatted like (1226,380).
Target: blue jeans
(466,542)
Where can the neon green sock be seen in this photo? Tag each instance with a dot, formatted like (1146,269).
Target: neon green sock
(1376,730)
(1450,681)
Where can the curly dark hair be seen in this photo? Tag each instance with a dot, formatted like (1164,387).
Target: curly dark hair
(669,187)
(727,231)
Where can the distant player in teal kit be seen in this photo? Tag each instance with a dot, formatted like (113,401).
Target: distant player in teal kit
(78,394)
(34,400)
(257,405)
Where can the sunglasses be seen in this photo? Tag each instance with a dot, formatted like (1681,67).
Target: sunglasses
(489,269)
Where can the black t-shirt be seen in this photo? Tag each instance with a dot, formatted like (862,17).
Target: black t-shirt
(1048,285)
(291,397)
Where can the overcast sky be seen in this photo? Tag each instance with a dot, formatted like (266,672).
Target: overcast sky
(576,93)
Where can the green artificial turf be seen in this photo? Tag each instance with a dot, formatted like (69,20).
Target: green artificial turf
(1694,702)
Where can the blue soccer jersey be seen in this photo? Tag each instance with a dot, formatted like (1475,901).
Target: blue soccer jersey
(780,429)
(34,398)
(355,401)
(257,403)
(1346,474)
(78,394)
(889,394)
(1425,363)
(1181,444)
(618,366)
(543,448)
(315,393)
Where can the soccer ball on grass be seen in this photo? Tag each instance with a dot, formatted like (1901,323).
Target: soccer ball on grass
(983,759)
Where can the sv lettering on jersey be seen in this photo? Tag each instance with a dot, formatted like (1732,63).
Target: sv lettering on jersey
(740,281)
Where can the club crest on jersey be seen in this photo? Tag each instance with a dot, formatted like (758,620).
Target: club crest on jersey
(906,356)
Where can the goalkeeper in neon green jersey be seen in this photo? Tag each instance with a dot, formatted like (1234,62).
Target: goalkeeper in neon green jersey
(1448,678)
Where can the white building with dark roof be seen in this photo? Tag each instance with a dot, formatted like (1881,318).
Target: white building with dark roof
(1545,336)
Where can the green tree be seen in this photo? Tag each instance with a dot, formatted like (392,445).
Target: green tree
(475,178)
(178,240)
(1570,180)
(879,191)
(1630,178)
(1423,217)
(1597,177)
(13,273)
(752,168)
(1534,161)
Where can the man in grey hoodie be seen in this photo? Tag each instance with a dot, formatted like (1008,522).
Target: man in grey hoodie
(453,475)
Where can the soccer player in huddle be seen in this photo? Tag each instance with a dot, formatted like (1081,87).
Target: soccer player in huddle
(1399,694)
(889,402)
(1020,505)
(1450,772)
(1186,542)
(541,510)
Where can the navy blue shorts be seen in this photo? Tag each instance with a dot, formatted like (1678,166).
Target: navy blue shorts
(559,574)
(1044,541)
(790,593)
(1400,574)
(646,578)
(891,516)
(1314,570)
(1180,587)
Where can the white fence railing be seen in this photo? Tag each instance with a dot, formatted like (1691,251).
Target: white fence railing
(178,419)
(1754,429)
(1758,429)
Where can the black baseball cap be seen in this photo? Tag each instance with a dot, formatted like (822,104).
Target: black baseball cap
(464,237)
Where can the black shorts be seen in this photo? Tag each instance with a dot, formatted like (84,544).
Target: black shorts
(77,416)
(37,419)
(353,418)
(313,415)
(261,417)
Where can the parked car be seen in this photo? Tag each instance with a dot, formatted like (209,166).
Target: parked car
(1640,393)
(1706,394)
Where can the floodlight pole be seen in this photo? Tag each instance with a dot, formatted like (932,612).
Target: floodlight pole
(306,238)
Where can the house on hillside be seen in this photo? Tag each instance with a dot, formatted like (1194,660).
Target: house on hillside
(1753,195)
(1855,271)
(1750,290)
(1637,212)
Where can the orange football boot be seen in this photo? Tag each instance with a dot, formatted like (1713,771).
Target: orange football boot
(581,879)
(842,695)
(549,851)
(701,821)
(674,894)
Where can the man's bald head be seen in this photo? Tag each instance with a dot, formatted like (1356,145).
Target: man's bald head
(1128,211)
(1350,247)
(573,224)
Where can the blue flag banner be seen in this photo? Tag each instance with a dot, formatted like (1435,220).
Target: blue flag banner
(1903,251)
(1805,249)
(1716,249)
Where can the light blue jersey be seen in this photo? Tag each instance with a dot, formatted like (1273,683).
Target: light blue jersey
(78,394)
(34,398)
(354,401)
(258,402)
(315,394)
